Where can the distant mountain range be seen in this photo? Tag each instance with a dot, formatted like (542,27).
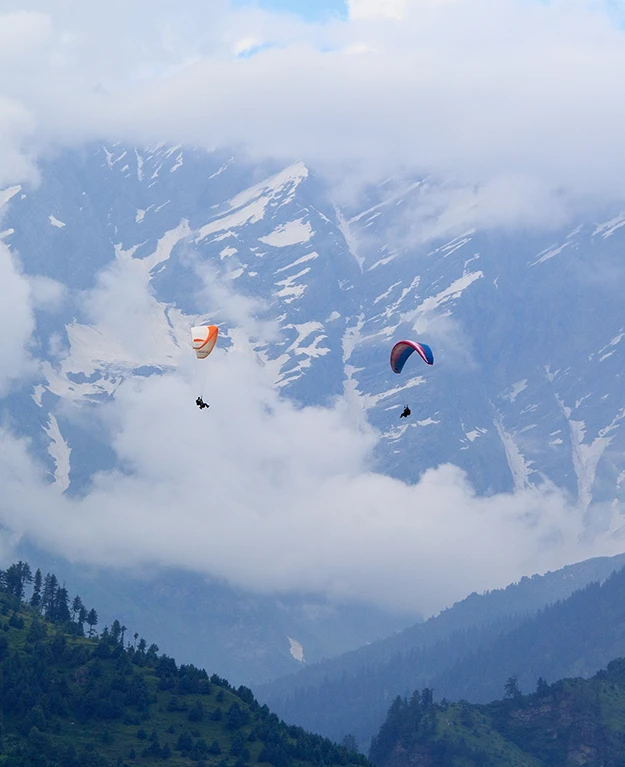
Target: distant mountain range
(556,625)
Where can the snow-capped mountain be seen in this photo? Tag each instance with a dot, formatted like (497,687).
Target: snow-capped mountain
(527,329)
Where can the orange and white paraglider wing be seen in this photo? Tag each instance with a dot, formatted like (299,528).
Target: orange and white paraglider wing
(204,338)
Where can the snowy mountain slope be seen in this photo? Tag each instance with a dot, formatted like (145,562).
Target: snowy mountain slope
(523,388)
(527,329)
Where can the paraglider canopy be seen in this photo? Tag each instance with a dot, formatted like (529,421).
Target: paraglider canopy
(403,349)
(204,338)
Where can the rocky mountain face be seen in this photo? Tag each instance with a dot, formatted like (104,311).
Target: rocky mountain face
(527,329)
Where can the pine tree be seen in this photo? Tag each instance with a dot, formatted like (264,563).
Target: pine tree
(77,605)
(116,631)
(50,586)
(92,620)
(35,600)
(61,606)
(15,579)
(511,688)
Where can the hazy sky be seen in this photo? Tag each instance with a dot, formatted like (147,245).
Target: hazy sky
(500,98)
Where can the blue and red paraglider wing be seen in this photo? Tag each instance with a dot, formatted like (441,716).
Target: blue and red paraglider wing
(403,349)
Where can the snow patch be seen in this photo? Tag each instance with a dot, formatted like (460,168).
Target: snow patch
(586,456)
(550,252)
(372,400)
(609,227)
(475,433)
(224,167)
(249,206)
(290,291)
(293,233)
(177,164)
(165,245)
(302,260)
(517,388)
(60,452)
(386,293)
(139,166)
(38,392)
(519,467)
(296,650)
(605,353)
(349,237)
(6,194)
(453,291)
(389,200)
(141,214)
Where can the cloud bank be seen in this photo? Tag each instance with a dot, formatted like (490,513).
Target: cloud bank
(522,96)
(276,498)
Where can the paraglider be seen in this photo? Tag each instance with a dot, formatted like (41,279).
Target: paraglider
(399,355)
(204,338)
(403,349)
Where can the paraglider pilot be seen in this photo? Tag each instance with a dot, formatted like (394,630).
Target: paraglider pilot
(201,404)
(406,412)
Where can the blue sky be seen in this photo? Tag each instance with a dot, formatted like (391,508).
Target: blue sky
(311,10)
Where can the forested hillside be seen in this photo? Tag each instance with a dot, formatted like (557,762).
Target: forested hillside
(452,652)
(574,637)
(70,700)
(571,723)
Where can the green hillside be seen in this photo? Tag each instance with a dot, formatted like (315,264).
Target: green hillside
(70,700)
(572,723)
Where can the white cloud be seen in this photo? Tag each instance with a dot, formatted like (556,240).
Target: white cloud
(46,294)
(278,498)
(521,97)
